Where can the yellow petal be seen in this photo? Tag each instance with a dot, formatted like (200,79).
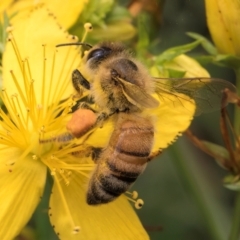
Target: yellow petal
(66,15)
(4,4)
(231,16)
(28,59)
(116,220)
(69,11)
(21,188)
(172,117)
(223,22)
(187,64)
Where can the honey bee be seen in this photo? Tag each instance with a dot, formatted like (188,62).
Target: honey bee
(122,88)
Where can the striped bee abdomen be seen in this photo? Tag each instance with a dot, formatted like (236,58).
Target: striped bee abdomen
(123,160)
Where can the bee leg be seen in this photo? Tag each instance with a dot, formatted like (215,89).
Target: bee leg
(96,153)
(85,105)
(79,81)
(101,117)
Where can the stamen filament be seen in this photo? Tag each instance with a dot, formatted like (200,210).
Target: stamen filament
(64,80)
(84,174)
(8,104)
(64,202)
(32,105)
(50,89)
(19,89)
(21,117)
(43,76)
(138,203)
(15,48)
(88,28)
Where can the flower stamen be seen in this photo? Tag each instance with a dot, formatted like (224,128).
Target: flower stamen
(65,204)
(76,230)
(19,89)
(88,28)
(44,75)
(15,48)
(138,203)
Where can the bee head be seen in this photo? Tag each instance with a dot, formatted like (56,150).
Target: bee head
(101,52)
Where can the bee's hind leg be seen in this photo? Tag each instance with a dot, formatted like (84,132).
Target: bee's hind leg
(102,116)
(96,152)
(86,105)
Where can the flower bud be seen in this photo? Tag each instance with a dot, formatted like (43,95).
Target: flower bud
(223,19)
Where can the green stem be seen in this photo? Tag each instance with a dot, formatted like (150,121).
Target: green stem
(234,234)
(235,229)
(190,181)
(236,121)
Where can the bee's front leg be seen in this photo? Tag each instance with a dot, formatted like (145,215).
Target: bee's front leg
(79,81)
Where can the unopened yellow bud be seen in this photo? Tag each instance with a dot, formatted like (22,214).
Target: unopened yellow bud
(223,19)
(188,65)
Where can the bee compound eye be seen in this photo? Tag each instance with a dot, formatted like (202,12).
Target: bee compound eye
(99,54)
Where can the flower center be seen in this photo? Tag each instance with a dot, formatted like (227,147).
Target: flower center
(36,104)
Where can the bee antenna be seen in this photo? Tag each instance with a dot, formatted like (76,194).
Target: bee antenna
(76,43)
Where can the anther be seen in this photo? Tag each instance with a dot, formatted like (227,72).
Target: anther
(75,38)
(133,194)
(10,163)
(53,172)
(9,29)
(67,183)
(76,230)
(39,106)
(88,27)
(139,203)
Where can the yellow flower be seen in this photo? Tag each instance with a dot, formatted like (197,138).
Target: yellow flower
(66,12)
(37,95)
(223,18)
(188,65)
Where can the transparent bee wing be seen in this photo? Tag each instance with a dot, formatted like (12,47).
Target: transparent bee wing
(137,95)
(206,92)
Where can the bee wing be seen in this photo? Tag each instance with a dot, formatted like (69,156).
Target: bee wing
(206,92)
(137,95)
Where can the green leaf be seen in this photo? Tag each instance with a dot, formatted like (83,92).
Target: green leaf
(143,35)
(171,53)
(118,13)
(221,154)
(175,73)
(3,32)
(96,11)
(206,44)
(232,182)
(205,59)
(228,61)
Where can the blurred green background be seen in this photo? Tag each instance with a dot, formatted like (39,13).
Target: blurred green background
(173,207)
